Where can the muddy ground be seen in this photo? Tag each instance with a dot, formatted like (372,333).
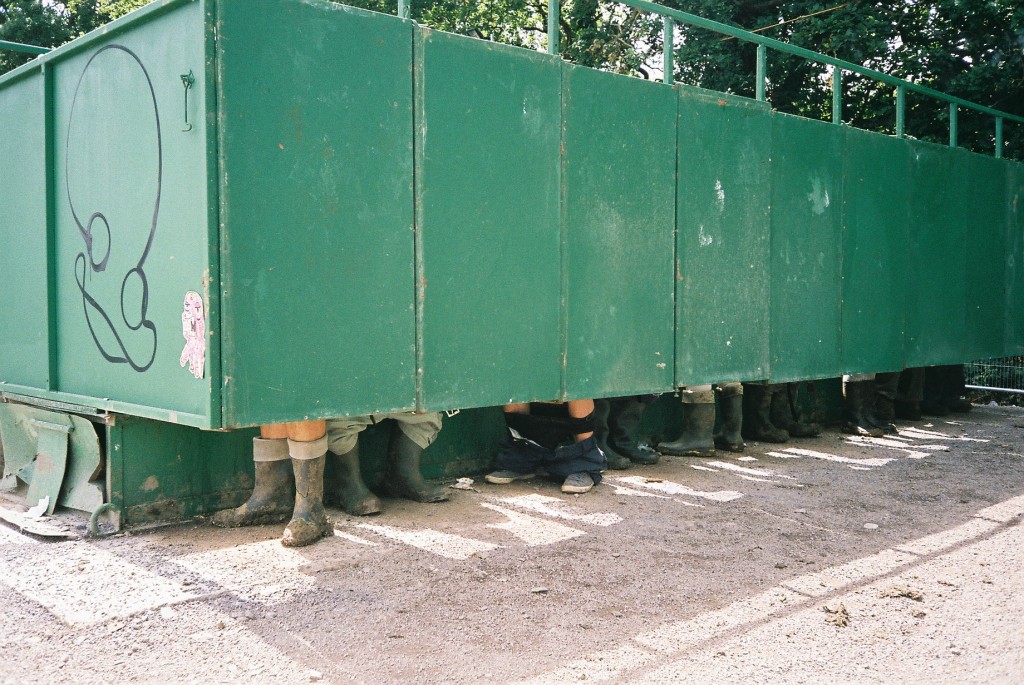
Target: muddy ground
(821,560)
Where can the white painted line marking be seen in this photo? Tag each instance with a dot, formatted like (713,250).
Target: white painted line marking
(837,577)
(948,538)
(559,509)
(64,582)
(433,541)
(920,434)
(1004,511)
(265,572)
(834,457)
(703,468)
(750,472)
(353,538)
(747,459)
(671,488)
(530,529)
(631,492)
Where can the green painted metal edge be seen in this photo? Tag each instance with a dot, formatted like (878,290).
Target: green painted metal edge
(23,47)
(212,284)
(108,405)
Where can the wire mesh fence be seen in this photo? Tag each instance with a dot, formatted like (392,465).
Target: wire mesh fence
(1002,379)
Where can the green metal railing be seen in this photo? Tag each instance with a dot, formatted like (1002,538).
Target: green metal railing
(22,47)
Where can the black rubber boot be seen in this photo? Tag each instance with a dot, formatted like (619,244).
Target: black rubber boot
(757,407)
(345,487)
(273,495)
(785,413)
(403,477)
(309,520)
(729,436)
(886,389)
(907,410)
(857,395)
(615,460)
(870,402)
(624,416)
(696,438)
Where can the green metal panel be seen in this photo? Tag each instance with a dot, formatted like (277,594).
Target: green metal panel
(488,136)
(1014,312)
(131,223)
(876,219)
(619,211)
(936,291)
(806,245)
(317,211)
(985,248)
(722,278)
(24,316)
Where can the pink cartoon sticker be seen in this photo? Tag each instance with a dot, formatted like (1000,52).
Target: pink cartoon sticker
(193,327)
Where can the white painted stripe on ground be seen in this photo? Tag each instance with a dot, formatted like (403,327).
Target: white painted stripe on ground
(530,529)
(671,488)
(750,472)
(837,577)
(353,538)
(948,538)
(560,509)
(1004,511)
(746,459)
(921,434)
(825,456)
(679,637)
(265,572)
(888,445)
(702,468)
(897,444)
(433,541)
(64,583)
(632,492)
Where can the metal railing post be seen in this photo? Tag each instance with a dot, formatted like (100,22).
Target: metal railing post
(952,124)
(999,137)
(403,9)
(901,111)
(553,14)
(837,95)
(762,68)
(669,39)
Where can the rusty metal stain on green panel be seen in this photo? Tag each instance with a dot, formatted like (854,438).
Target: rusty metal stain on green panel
(807,186)
(317,260)
(985,248)
(936,292)
(722,277)
(131,221)
(24,344)
(619,182)
(488,161)
(874,252)
(1014,312)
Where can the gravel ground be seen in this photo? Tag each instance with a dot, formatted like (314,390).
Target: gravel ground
(823,560)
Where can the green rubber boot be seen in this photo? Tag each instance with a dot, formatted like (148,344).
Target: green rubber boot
(273,494)
(696,438)
(624,416)
(345,487)
(615,460)
(403,477)
(757,422)
(786,415)
(729,436)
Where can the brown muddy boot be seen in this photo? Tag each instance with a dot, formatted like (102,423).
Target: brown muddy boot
(346,489)
(403,477)
(273,494)
(309,520)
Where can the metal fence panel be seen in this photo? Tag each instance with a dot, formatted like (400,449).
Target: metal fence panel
(25,313)
(876,216)
(936,306)
(132,230)
(488,174)
(619,211)
(318,212)
(1014,257)
(985,243)
(806,246)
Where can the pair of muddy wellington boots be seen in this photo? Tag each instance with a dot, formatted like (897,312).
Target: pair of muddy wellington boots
(860,416)
(699,438)
(289,482)
(785,413)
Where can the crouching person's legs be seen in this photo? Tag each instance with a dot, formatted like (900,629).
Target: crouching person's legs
(580,463)
(307,447)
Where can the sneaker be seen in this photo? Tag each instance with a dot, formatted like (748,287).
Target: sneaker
(506,477)
(578,483)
